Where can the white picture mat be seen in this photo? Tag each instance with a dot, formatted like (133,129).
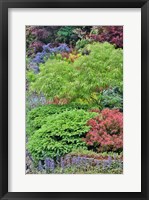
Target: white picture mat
(130,180)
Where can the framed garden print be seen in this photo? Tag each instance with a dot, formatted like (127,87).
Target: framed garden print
(74,99)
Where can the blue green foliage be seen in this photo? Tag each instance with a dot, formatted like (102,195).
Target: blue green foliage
(112,98)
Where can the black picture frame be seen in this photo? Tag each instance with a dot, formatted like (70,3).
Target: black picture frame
(4,6)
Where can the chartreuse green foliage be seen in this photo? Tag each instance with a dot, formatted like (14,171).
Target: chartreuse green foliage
(102,68)
(84,78)
(30,75)
(38,116)
(54,79)
(59,134)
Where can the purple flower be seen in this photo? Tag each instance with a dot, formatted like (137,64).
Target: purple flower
(34,67)
(40,166)
(79,159)
(49,164)
(109,160)
(74,160)
(40,57)
(105,164)
(97,162)
(52,165)
(84,160)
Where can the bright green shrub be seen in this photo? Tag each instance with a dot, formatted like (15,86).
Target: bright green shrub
(54,79)
(102,68)
(59,134)
(38,116)
(84,78)
(30,75)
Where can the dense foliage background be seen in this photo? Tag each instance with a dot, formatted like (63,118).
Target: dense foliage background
(74,99)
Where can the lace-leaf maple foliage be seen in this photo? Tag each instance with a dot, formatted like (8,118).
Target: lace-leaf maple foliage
(103,67)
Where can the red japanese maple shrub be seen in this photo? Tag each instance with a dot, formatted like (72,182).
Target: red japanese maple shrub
(111,34)
(106,133)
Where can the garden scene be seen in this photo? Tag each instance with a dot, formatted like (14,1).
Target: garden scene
(74,99)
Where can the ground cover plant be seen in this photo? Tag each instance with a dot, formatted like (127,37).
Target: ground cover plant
(74,99)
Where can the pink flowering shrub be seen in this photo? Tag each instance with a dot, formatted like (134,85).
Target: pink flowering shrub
(106,133)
